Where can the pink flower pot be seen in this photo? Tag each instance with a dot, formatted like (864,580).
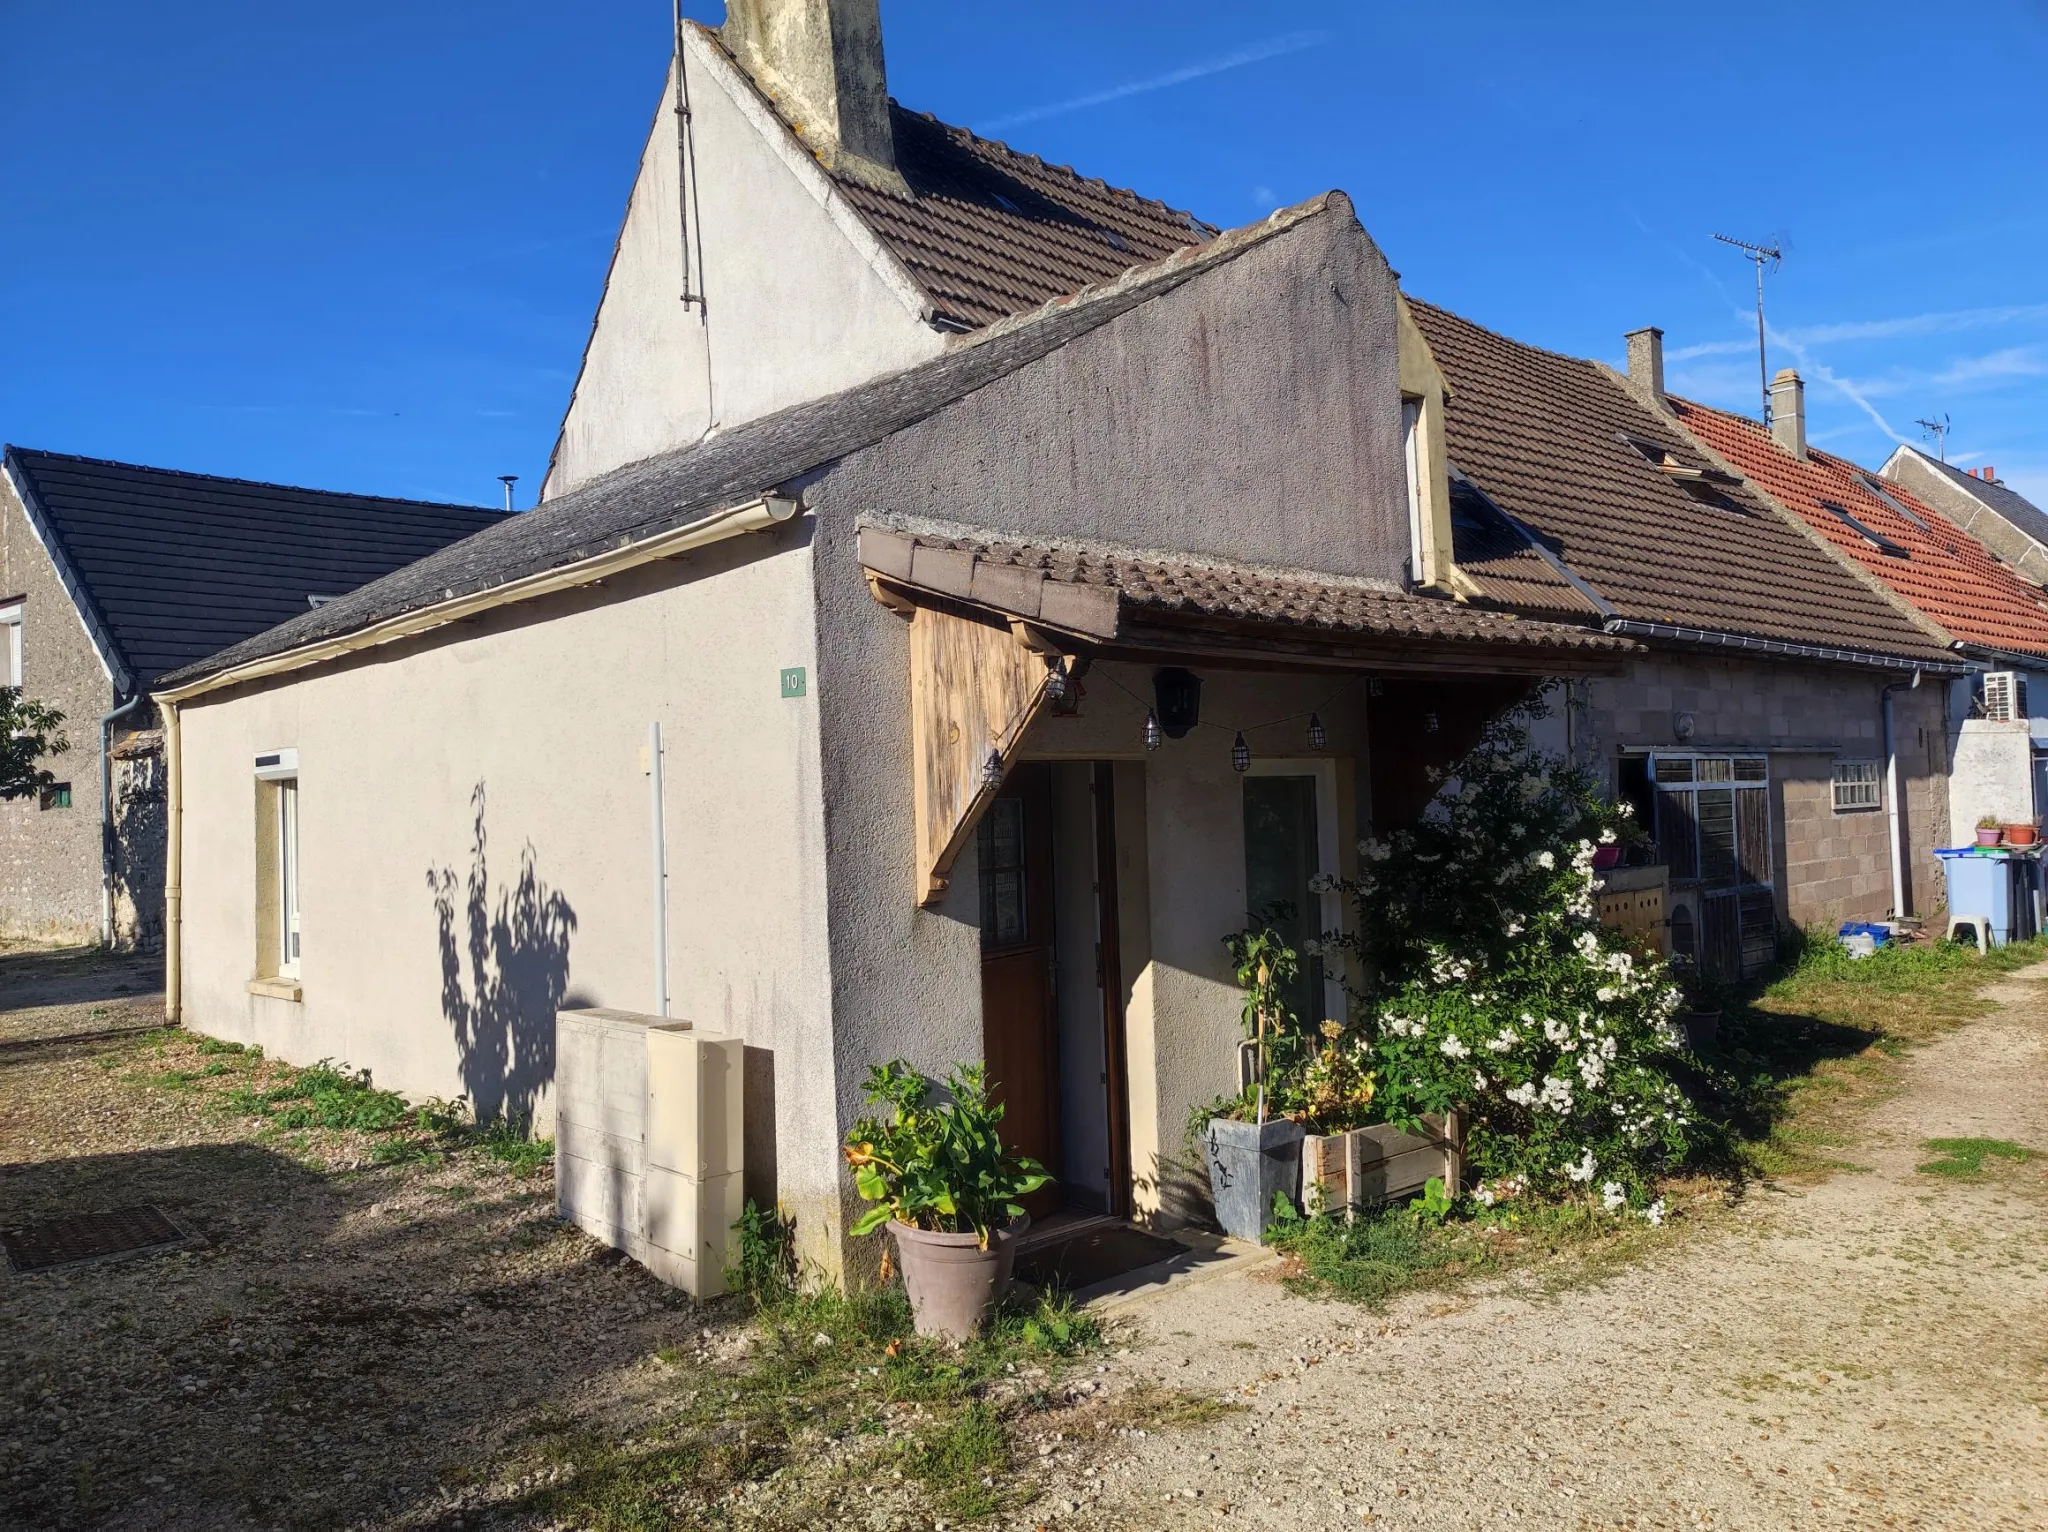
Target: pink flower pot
(1989,837)
(1606,857)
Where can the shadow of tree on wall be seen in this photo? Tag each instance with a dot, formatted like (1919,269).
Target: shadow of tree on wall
(504,973)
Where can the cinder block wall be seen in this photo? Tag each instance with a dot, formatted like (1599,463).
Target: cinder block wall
(1830,867)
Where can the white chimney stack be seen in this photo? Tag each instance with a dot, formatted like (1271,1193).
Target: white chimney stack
(820,62)
(1788,412)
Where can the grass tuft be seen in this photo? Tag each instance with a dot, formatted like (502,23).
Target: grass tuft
(1962,1159)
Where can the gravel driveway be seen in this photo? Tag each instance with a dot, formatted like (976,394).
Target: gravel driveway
(1871,1352)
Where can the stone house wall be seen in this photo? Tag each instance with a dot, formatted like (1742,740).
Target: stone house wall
(50,857)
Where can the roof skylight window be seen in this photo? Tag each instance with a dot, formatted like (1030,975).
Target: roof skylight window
(1875,538)
(1876,487)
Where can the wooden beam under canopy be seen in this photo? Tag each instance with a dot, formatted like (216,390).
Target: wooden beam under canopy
(975,688)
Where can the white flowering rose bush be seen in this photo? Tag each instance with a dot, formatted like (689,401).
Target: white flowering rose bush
(1491,986)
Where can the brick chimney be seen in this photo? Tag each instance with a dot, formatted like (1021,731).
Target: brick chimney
(1788,412)
(820,62)
(1646,361)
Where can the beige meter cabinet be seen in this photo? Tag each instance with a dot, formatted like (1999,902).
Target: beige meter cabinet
(648,1134)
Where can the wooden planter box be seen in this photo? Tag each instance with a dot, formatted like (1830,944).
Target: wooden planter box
(1368,1167)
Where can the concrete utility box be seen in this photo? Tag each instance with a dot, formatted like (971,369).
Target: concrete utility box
(648,1153)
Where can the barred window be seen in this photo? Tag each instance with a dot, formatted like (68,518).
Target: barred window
(1856,785)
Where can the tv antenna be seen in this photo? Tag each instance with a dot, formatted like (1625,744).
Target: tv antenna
(1937,429)
(1771,255)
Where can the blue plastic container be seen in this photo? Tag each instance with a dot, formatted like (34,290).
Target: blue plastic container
(1996,882)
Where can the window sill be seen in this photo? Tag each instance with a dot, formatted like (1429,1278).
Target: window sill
(276,989)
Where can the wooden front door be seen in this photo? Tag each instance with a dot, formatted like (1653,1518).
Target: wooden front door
(1019,1027)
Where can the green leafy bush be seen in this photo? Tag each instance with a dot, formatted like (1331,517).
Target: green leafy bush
(938,1166)
(1492,988)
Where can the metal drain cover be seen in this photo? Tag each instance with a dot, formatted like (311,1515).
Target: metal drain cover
(88,1237)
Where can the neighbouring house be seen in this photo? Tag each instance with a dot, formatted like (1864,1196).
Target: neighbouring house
(1981,503)
(1770,734)
(793,232)
(112,574)
(957,715)
(1987,614)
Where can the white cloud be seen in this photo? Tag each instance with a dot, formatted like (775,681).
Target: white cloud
(2011,362)
(1709,348)
(1272,47)
(1942,323)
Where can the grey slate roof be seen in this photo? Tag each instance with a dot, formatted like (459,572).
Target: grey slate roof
(661,493)
(1994,496)
(167,567)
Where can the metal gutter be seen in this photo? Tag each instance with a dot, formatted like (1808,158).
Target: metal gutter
(1706,637)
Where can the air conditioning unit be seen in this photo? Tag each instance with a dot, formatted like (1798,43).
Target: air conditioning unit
(2005,696)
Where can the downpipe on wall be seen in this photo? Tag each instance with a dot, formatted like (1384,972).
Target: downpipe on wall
(660,843)
(174,869)
(107,817)
(1894,821)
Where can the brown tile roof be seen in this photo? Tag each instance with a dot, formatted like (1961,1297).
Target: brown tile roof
(1504,563)
(1103,591)
(989,232)
(1546,437)
(1914,549)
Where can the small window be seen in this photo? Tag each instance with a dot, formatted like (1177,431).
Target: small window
(1876,539)
(1004,918)
(278,868)
(56,796)
(1857,786)
(10,644)
(1411,452)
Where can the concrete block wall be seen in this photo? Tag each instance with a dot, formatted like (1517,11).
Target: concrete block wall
(1829,866)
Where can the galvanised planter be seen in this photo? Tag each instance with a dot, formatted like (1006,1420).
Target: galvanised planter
(1249,1165)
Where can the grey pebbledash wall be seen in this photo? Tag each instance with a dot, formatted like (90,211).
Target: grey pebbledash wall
(1830,866)
(50,858)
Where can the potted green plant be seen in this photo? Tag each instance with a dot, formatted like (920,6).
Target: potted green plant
(948,1190)
(1990,830)
(1252,1146)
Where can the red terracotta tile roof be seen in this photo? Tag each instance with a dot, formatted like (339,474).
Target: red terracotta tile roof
(1550,439)
(989,232)
(1915,550)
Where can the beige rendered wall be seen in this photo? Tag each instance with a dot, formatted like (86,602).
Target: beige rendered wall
(801,300)
(50,858)
(1830,866)
(497,768)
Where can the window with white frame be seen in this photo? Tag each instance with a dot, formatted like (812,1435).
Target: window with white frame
(1412,454)
(1857,786)
(278,875)
(288,877)
(10,644)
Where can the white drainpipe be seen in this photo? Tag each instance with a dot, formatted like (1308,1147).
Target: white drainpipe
(1895,823)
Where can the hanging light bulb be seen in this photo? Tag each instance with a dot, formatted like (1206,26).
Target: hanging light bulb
(1318,736)
(1153,736)
(1056,680)
(992,770)
(1240,754)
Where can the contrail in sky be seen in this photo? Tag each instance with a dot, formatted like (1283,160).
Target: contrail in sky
(1272,47)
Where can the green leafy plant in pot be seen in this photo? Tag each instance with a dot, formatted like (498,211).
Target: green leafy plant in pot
(947,1189)
(1253,1141)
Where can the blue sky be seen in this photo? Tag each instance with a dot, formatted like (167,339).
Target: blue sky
(359,247)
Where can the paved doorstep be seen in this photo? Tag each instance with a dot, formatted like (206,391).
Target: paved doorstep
(1869,1352)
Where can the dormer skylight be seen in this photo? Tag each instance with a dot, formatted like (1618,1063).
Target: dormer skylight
(1870,535)
(1704,484)
(1876,487)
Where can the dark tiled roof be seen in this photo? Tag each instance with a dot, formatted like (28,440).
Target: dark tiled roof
(657,494)
(168,567)
(983,566)
(1994,496)
(1503,562)
(1929,561)
(989,232)
(1546,437)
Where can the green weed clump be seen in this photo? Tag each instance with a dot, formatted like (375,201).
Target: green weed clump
(1962,1159)
(325,1097)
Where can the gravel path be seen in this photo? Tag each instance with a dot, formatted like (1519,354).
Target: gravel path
(1871,1351)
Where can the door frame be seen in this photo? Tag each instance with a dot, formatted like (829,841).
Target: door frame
(1109,973)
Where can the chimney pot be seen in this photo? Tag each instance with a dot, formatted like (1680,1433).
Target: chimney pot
(1990,474)
(1788,412)
(1646,361)
(820,61)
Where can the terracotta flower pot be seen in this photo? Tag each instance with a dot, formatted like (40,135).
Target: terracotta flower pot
(1989,835)
(954,1284)
(2021,835)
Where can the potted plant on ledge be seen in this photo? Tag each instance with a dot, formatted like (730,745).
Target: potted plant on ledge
(1990,830)
(947,1189)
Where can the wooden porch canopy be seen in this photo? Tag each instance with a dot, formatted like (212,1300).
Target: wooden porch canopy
(992,619)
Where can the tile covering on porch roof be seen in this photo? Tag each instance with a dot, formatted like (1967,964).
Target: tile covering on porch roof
(1118,597)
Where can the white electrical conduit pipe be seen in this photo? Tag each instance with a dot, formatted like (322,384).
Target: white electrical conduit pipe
(1894,823)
